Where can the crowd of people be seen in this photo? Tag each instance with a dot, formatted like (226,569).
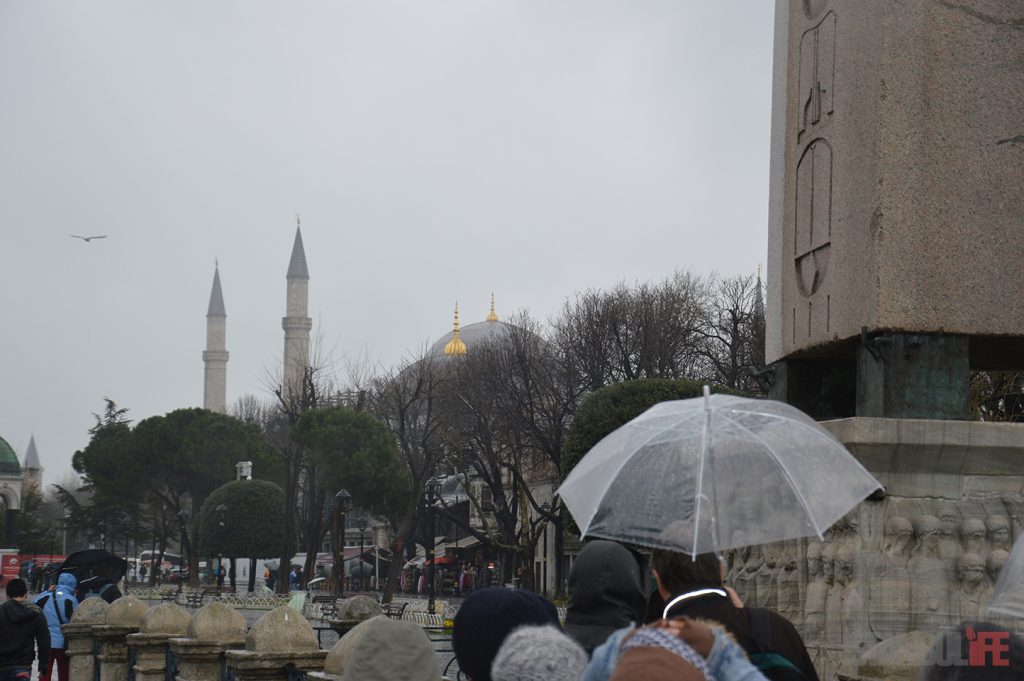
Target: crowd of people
(627,619)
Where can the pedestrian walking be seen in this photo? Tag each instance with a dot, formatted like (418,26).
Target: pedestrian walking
(22,630)
(58,606)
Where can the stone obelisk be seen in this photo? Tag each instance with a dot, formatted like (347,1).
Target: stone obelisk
(896,263)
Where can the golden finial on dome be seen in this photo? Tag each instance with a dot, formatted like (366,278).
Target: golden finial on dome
(455,345)
(492,316)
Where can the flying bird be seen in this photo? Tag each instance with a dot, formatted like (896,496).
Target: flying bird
(87,239)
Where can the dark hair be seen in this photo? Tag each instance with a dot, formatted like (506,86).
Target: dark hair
(16,588)
(678,573)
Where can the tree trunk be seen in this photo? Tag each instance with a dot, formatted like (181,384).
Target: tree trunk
(252,575)
(398,551)
(231,574)
(559,551)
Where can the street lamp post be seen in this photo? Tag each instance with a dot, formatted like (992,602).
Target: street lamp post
(546,508)
(221,513)
(342,502)
(362,528)
(433,493)
(182,520)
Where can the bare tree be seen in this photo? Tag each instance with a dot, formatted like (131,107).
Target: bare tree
(407,400)
(732,329)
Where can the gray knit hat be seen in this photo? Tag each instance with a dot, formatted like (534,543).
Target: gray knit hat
(543,653)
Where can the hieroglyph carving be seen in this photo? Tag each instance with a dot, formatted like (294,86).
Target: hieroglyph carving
(817,74)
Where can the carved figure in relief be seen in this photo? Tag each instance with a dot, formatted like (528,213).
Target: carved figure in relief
(949,542)
(998,527)
(973,534)
(740,576)
(1015,507)
(970,585)
(754,563)
(993,566)
(788,601)
(817,593)
(889,611)
(929,593)
(834,599)
(766,585)
(852,601)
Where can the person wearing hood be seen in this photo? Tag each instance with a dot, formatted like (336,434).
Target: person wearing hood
(609,587)
(22,630)
(58,605)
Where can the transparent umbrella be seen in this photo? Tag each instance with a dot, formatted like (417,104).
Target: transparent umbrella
(1008,594)
(713,473)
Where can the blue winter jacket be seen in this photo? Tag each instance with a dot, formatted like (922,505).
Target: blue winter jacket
(63,597)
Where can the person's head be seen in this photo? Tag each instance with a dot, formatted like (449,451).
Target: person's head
(949,520)
(927,528)
(484,620)
(814,559)
(998,529)
(609,586)
(17,589)
(67,580)
(970,569)
(538,653)
(972,533)
(844,565)
(677,573)
(994,563)
(828,563)
(898,532)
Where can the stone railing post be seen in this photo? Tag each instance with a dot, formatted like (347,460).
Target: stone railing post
(123,617)
(149,647)
(79,641)
(214,629)
(281,642)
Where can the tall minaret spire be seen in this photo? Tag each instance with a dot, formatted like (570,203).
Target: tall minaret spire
(215,358)
(296,323)
(32,468)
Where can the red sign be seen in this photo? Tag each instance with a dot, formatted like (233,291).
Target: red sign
(10,566)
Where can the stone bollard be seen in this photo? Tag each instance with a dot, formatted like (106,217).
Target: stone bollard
(149,647)
(79,641)
(337,658)
(353,611)
(123,617)
(214,629)
(280,641)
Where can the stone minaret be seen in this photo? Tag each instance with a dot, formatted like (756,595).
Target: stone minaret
(33,469)
(296,324)
(215,357)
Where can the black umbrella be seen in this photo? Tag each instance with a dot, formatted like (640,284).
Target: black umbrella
(91,563)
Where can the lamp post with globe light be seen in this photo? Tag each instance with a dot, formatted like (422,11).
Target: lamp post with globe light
(433,494)
(342,502)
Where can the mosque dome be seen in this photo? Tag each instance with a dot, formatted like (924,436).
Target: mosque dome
(460,341)
(8,460)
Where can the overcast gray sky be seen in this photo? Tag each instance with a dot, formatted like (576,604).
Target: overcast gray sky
(436,150)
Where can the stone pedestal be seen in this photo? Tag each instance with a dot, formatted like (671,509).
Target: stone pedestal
(149,646)
(923,557)
(337,658)
(78,638)
(213,630)
(123,617)
(280,640)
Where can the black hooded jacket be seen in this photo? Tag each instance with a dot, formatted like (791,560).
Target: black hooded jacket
(608,590)
(22,628)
